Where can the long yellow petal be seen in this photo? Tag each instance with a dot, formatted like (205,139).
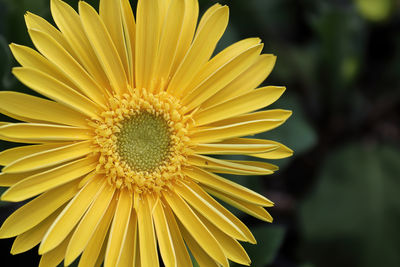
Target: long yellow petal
(60,57)
(233,149)
(251,209)
(169,40)
(51,88)
(32,237)
(249,102)
(69,22)
(204,206)
(189,24)
(30,58)
(12,154)
(34,109)
(230,166)
(181,253)
(207,36)
(10,179)
(49,157)
(44,132)
(37,210)
(129,24)
(130,247)
(147,236)
(119,229)
(245,82)
(36,22)
(49,179)
(111,14)
(97,243)
(104,47)
(55,256)
(147,39)
(218,133)
(88,224)
(195,227)
(71,215)
(221,184)
(221,77)
(281,152)
(202,258)
(232,249)
(272,114)
(164,237)
(238,224)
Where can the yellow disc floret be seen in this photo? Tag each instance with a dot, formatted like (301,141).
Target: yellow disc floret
(142,140)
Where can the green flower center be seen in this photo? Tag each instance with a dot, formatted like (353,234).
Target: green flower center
(144,141)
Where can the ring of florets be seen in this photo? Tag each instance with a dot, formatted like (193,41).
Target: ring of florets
(130,117)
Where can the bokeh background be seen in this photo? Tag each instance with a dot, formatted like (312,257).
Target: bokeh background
(338,198)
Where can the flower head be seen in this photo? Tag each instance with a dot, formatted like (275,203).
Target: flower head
(118,162)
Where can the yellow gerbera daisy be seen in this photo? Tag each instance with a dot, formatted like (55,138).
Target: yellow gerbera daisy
(117,164)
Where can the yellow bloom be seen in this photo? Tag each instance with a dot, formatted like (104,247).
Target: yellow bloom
(117,161)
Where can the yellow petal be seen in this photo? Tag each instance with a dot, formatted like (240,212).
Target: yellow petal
(71,215)
(128,21)
(111,14)
(118,229)
(34,109)
(164,237)
(221,184)
(55,256)
(181,253)
(221,77)
(147,39)
(249,102)
(104,47)
(93,250)
(208,34)
(273,114)
(195,227)
(230,166)
(30,58)
(51,88)
(69,22)
(251,209)
(60,57)
(245,82)
(279,153)
(49,157)
(233,149)
(37,210)
(204,205)
(49,179)
(12,154)
(242,228)
(202,258)
(130,247)
(88,224)
(32,237)
(169,40)
(232,249)
(44,132)
(35,22)
(189,24)
(147,237)
(10,179)
(218,133)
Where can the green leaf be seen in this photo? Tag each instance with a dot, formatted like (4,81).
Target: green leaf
(375,10)
(269,240)
(354,212)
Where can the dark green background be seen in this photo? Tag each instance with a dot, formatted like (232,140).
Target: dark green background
(338,198)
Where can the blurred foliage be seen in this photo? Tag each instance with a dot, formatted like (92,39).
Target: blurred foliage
(337,197)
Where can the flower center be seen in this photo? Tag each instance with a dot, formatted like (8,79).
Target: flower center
(144,141)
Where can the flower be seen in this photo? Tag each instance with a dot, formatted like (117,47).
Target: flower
(118,162)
